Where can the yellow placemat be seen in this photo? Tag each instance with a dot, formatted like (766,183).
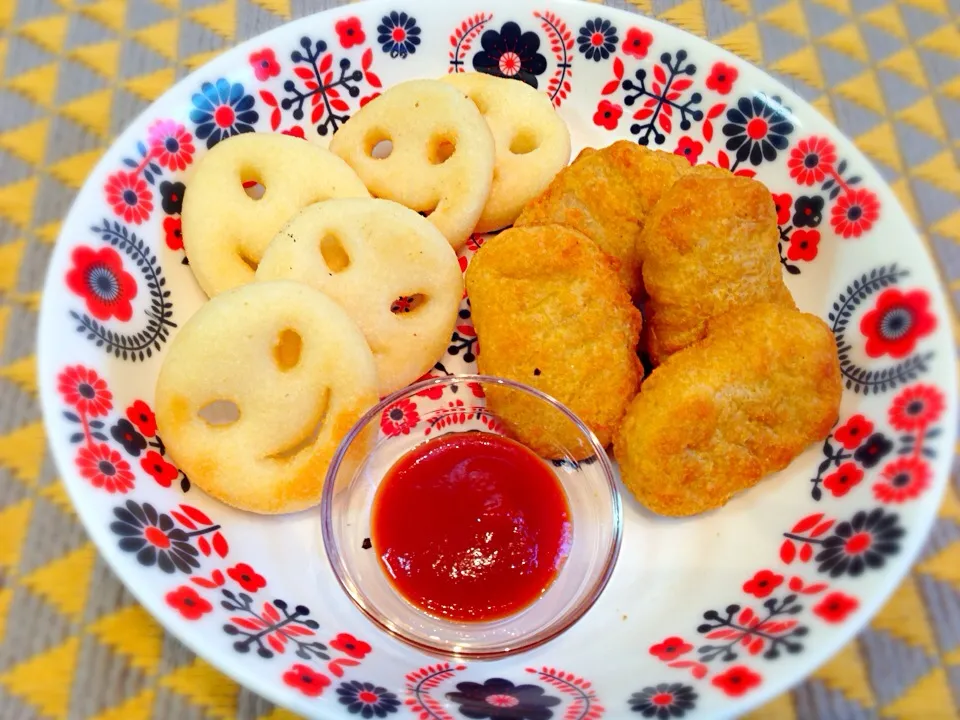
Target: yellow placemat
(74,644)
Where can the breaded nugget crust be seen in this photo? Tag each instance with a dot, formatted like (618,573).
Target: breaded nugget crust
(550,312)
(709,247)
(717,417)
(606,194)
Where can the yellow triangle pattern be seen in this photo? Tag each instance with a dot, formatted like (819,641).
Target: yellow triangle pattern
(841,7)
(782,708)
(64,582)
(102,57)
(951,89)
(56,492)
(39,84)
(152,85)
(33,679)
(6,13)
(804,64)
(950,509)
(282,7)
(281,713)
(22,451)
(138,707)
(907,64)
(133,633)
(206,687)
(91,111)
(47,32)
(49,232)
(688,15)
(846,673)
(824,106)
(3,54)
(744,7)
(6,598)
(220,18)
(73,171)
(888,19)
(945,565)
(201,58)
(880,143)
(941,170)
(31,301)
(111,13)
(789,17)
(945,39)
(948,226)
(4,319)
(14,525)
(744,41)
(23,373)
(937,7)
(11,254)
(16,201)
(927,698)
(163,38)
(901,188)
(27,142)
(864,90)
(847,40)
(924,116)
(905,617)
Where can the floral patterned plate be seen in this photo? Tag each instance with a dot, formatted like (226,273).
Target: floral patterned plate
(704,617)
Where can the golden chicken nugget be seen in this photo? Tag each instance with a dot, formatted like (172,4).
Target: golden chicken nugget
(606,194)
(717,417)
(708,247)
(550,312)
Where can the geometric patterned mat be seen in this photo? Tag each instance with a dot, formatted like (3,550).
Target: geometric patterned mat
(73,73)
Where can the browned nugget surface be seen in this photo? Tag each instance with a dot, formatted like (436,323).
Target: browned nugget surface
(550,312)
(606,194)
(709,247)
(717,417)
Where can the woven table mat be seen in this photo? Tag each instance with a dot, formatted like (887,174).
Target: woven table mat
(73,73)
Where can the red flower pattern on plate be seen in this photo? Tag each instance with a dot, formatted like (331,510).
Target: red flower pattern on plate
(350,32)
(853,432)
(99,278)
(670,649)
(803,245)
(812,160)
(400,418)
(897,322)
(721,78)
(783,203)
(845,478)
(105,468)
(163,472)
(903,479)
(763,583)
(637,42)
(854,213)
(349,645)
(264,64)
(130,196)
(608,114)
(247,577)
(306,680)
(689,148)
(188,602)
(85,391)
(170,144)
(835,607)
(140,414)
(173,232)
(737,681)
(916,407)
(296,131)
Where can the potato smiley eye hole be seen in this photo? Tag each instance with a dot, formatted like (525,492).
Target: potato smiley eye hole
(406,304)
(250,262)
(525,141)
(441,149)
(286,353)
(334,255)
(379,145)
(219,413)
(253,189)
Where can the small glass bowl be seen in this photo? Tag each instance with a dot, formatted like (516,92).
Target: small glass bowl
(457,404)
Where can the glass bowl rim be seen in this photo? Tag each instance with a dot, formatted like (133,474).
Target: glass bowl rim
(583,604)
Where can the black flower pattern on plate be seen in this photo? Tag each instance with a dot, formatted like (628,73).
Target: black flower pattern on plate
(126,434)
(511,53)
(171,195)
(366,699)
(862,542)
(398,34)
(807,211)
(875,449)
(666,700)
(597,39)
(154,538)
(757,128)
(499,699)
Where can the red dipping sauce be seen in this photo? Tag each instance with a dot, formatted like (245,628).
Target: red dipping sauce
(471,526)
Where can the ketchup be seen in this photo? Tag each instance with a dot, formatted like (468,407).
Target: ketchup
(471,526)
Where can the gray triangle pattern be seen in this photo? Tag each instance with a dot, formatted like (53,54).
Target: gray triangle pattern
(943,606)
(814,700)
(77,81)
(137,59)
(893,666)
(143,13)
(84,31)
(897,92)
(24,55)
(66,138)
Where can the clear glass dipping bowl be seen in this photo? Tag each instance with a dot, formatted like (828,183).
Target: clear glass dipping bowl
(455,404)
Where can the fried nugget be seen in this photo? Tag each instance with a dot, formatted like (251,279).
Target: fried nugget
(709,247)
(606,194)
(717,417)
(550,312)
